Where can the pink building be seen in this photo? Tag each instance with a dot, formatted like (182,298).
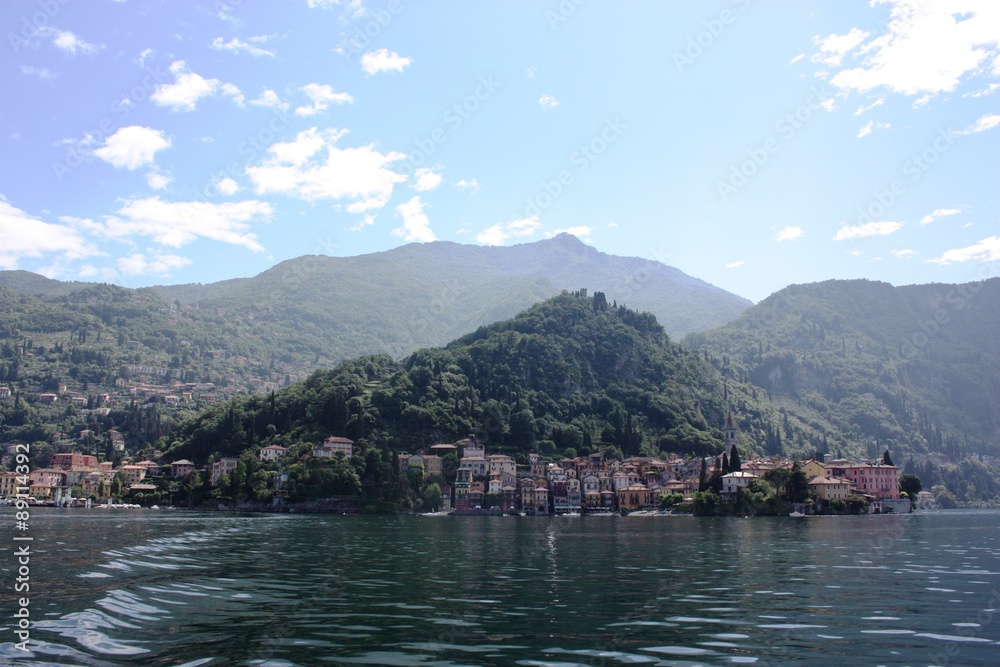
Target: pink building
(871,479)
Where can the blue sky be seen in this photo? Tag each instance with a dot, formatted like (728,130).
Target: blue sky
(750,144)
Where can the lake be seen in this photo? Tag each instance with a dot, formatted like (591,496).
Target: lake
(147,587)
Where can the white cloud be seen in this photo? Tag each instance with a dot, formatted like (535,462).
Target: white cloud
(789,234)
(870,126)
(833,48)
(70,43)
(158,181)
(140,59)
(237,46)
(312,167)
(187,89)
(471,184)
(882,228)
(926,48)
(939,213)
(269,98)
(175,224)
(796,59)
(26,236)
(987,122)
(230,90)
(43,73)
(366,221)
(862,109)
(499,233)
(132,147)
(735,265)
(383,60)
(987,250)
(321,96)
(530,72)
(988,90)
(416,226)
(905,253)
(426,179)
(227,186)
(548,102)
(138,264)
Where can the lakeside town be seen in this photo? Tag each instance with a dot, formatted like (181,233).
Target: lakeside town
(480,482)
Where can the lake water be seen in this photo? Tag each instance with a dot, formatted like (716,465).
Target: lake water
(132,587)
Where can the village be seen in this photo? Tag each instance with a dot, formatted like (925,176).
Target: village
(485,483)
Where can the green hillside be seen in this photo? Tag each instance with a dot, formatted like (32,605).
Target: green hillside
(861,366)
(571,373)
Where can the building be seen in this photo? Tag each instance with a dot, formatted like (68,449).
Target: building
(477,464)
(333,446)
(74,461)
(877,480)
(225,466)
(734,481)
(272,452)
(4,392)
(731,436)
(134,473)
(634,497)
(501,463)
(8,484)
(829,488)
(47,399)
(181,469)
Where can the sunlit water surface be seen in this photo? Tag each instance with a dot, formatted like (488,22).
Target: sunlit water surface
(131,587)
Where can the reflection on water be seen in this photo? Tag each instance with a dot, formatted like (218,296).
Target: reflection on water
(173,588)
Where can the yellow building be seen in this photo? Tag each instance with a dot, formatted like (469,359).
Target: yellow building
(8,484)
(634,497)
(829,488)
(813,469)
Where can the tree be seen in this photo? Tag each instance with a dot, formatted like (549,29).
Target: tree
(432,496)
(797,487)
(911,486)
(734,461)
(885,459)
(703,475)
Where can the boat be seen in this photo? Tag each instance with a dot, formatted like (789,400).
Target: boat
(796,514)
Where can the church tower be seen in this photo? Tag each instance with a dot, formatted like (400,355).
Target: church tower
(731,434)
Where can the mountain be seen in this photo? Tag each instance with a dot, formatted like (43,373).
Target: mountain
(860,366)
(322,309)
(570,373)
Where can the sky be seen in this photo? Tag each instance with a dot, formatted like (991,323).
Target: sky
(750,144)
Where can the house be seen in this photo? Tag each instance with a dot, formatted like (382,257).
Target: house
(477,494)
(74,461)
(224,466)
(272,452)
(181,469)
(501,463)
(477,464)
(734,481)
(43,480)
(4,392)
(47,399)
(117,440)
(152,467)
(878,480)
(333,446)
(829,488)
(134,473)
(634,497)
(472,448)
(813,468)
(8,484)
